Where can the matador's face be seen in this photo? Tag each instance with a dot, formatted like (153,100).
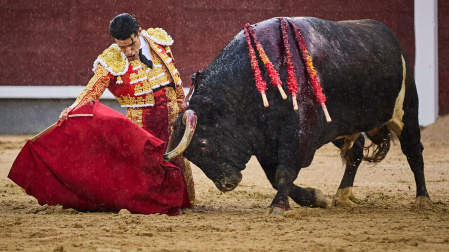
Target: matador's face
(130,47)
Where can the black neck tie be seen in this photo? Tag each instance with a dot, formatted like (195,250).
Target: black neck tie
(144,59)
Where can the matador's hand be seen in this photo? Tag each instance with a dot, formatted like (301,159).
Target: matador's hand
(64,114)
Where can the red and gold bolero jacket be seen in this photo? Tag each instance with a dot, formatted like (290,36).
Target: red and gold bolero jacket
(132,83)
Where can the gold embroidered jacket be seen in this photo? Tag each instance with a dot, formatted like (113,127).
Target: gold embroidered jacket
(132,82)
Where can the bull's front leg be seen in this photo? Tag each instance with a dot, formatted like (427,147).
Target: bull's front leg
(281,178)
(281,161)
(309,197)
(284,182)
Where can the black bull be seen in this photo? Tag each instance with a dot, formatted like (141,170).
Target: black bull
(369,86)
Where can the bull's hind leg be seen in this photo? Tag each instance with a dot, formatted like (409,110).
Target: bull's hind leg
(410,139)
(406,126)
(352,152)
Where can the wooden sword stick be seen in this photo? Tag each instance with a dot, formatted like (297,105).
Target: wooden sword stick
(54,125)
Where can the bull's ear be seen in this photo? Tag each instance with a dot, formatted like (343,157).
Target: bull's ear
(196,78)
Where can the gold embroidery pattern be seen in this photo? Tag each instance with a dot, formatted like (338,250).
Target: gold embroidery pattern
(138,89)
(146,87)
(95,88)
(128,101)
(135,115)
(160,36)
(172,107)
(140,76)
(140,80)
(179,94)
(113,60)
(159,75)
(166,62)
(135,63)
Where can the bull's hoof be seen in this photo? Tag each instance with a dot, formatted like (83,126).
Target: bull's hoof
(320,199)
(422,202)
(345,198)
(275,211)
(308,197)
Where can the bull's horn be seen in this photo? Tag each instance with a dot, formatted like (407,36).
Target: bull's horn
(189,119)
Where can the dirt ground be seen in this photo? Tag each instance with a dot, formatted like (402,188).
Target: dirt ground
(235,221)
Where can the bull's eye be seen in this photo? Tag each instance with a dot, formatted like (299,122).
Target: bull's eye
(203,144)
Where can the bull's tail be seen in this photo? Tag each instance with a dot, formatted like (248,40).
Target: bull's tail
(380,144)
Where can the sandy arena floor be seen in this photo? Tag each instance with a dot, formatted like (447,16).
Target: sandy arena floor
(235,221)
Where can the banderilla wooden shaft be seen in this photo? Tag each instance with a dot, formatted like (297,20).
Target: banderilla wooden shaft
(54,125)
(281,90)
(265,100)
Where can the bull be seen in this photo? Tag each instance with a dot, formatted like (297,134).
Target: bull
(370,90)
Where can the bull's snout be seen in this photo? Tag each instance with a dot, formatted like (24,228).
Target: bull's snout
(229,184)
(228,187)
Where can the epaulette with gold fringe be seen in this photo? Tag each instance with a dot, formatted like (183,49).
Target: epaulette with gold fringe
(159,36)
(113,59)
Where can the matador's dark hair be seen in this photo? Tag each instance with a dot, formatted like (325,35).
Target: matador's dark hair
(123,26)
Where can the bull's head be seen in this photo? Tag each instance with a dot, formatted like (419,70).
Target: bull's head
(216,147)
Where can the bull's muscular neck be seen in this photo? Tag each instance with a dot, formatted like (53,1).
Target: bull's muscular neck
(229,85)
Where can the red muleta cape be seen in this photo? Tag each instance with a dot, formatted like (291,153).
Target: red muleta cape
(100,163)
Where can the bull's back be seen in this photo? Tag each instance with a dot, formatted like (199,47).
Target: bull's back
(360,68)
(358,63)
